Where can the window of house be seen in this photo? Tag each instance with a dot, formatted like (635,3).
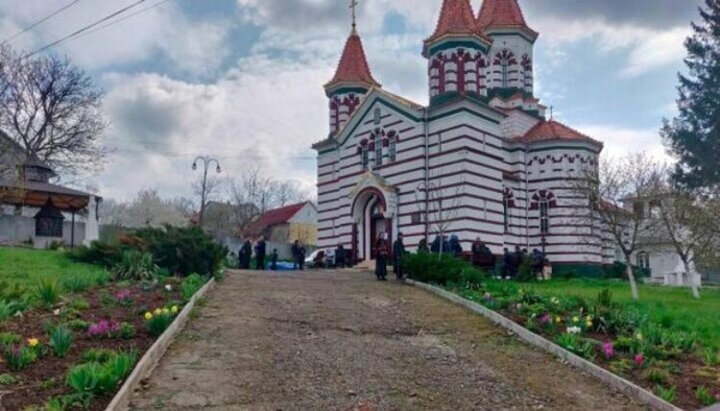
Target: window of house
(416,218)
(544,216)
(643,260)
(378,150)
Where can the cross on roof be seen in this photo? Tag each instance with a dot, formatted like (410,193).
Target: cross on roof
(353,7)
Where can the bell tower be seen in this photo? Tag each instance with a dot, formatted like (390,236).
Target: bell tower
(456,53)
(352,79)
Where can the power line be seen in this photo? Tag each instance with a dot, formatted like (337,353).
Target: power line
(39,22)
(120,20)
(86,28)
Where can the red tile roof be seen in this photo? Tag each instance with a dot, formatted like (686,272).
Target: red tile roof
(353,66)
(495,13)
(554,130)
(456,17)
(273,217)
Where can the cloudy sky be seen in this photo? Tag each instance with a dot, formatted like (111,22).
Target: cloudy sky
(242,79)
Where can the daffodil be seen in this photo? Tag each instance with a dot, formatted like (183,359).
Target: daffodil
(558,319)
(588,324)
(148,316)
(174,309)
(639,337)
(33,342)
(166,311)
(576,319)
(158,311)
(588,318)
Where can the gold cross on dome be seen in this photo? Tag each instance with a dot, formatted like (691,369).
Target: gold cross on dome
(353,7)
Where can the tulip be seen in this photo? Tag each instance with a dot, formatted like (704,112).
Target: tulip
(148,316)
(608,349)
(639,359)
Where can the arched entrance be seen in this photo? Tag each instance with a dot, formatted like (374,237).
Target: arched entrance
(370,219)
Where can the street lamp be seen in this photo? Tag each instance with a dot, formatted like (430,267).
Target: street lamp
(206,161)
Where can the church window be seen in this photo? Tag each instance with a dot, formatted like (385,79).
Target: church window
(416,218)
(365,161)
(393,148)
(544,216)
(506,217)
(377,116)
(504,59)
(378,150)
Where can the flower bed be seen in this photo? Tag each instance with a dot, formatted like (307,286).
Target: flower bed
(669,362)
(78,350)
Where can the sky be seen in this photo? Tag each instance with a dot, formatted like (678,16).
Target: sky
(241,80)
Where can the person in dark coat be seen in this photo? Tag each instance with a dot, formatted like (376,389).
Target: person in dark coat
(381,258)
(423,247)
(507,263)
(260,252)
(436,245)
(398,254)
(295,249)
(455,246)
(301,257)
(246,255)
(340,256)
(274,259)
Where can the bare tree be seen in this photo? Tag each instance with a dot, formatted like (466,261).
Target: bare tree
(616,192)
(147,209)
(287,192)
(51,109)
(690,223)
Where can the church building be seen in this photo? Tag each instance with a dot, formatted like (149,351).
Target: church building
(483,160)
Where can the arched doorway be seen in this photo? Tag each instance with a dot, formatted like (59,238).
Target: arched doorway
(370,219)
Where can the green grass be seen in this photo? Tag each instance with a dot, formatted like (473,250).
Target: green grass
(26,267)
(670,307)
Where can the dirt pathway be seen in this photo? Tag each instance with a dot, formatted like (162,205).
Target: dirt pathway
(340,340)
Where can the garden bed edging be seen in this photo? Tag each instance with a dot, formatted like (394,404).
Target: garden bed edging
(153,355)
(634,391)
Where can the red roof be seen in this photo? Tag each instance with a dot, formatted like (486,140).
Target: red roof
(273,217)
(456,17)
(495,13)
(353,66)
(554,130)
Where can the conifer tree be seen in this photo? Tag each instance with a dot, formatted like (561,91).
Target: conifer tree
(694,135)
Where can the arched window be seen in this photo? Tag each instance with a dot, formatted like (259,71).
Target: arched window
(378,149)
(643,260)
(508,203)
(377,116)
(365,157)
(504,59)
(544,216)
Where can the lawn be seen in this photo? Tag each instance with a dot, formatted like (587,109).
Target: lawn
(673,308)
(25,267)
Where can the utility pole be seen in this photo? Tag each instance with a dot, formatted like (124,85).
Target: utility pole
(207,161)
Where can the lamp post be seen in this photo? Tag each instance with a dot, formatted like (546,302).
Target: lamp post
(206,161)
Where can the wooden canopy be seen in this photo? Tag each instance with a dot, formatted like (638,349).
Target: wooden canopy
(37,194)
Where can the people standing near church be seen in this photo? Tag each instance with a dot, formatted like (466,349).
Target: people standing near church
(340,256)
(423,247)
(398,255)
(260,252)
(301,256)
(246,255)
(274,259)
(295,251)
(381,257)
(455,246)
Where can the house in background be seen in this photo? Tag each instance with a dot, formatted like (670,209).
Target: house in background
(33,210)
(286,224)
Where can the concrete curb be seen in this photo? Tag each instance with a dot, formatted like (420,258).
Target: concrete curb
(156,351)
(638,393)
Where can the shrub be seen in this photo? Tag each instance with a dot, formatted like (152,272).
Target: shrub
(99,355)
(77,284)
(127,331)
(432,268)
(667,394)
(47,292)
(525,273)
(61,340)
(97,378)
(134,265)
(703,396)
(711,357)
(98,253)
(6,310)
(616,271)
(7,339)
(191,285)
(159,320)
(18,358)
(7,379)
(183,250)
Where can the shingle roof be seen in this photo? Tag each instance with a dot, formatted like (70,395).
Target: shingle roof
(353,66)
(554,130)
(273,217)
(501,13)
(456,17)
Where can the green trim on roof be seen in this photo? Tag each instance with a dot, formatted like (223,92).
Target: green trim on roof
(449,44)
(344,90)
(537,150)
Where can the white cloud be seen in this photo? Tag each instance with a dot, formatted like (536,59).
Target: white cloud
(621,141)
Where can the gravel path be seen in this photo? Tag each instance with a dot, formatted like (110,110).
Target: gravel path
(341,340)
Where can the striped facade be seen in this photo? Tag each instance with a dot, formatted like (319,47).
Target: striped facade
(481,161)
